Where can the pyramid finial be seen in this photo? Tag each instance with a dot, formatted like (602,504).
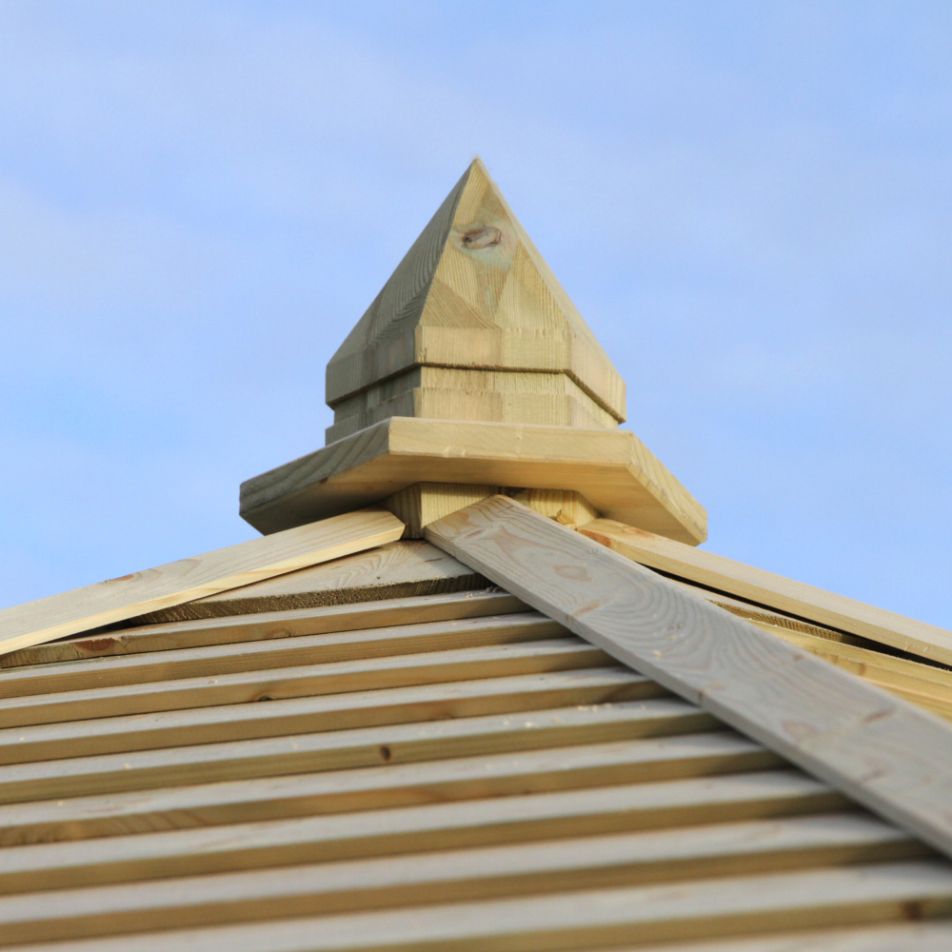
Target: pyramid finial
(473,325)
(472,373)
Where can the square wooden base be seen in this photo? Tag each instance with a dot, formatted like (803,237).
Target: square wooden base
(611,469)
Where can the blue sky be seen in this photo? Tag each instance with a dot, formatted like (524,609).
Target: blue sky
(751,204)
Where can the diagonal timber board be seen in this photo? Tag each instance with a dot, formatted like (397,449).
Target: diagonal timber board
(880,750)
(774,591)
(176,582)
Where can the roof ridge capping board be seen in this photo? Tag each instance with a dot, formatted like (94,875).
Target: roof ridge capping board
(171,584)
(773,591)
(882,751)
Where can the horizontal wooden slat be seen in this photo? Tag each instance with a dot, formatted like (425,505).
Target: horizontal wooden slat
(503,820)
(927,685)
(397,570)
(324,713)
(919,936)
(942,707)
(774,591)
(177,582)
(637,916)
(456,875)
(557,654)
(343,749)
(217,660)
(275,625)
(893,674)
(644,760)
(889,755)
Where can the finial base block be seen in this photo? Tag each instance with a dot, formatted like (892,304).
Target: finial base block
(611,469)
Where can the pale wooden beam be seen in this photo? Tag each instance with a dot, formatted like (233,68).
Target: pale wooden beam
(501,871)
(729,907)
(665,762)
(175,582)
(167,640)
(774,591)
(880,750)
(613,470)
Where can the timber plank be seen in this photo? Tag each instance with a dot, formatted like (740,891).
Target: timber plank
(361,747)
(395,570)
(418,829)
(311,680)
(206,661)
(324,713)
(892,757)
(774,591)
(922,683)
(285,623)
(188,579)
(642,760)
(638,916)
(592,862)
(921,936)
(875,666)
(612,469)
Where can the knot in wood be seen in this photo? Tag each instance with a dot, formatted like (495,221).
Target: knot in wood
(481,236)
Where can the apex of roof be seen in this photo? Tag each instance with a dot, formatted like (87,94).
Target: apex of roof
(470,311)
(472,373)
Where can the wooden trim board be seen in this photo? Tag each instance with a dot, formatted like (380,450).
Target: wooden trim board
(616,473)
(654,760)
(566,864)
(401,569)
(774,591)
(635,916)
(883,752)
(267,626)
(175,582)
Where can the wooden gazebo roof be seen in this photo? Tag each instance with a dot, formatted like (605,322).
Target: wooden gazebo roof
(510,704)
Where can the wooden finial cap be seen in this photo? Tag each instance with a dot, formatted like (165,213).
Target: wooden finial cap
(472,373)
(473,325)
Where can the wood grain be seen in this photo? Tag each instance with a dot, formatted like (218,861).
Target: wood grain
(265,626)
(442,393)
(306,680)
(928,685)
(346,749)
(177,582)
(415,829)
(396,570)
(454,875)
(887,754)
(459,778)
(638,916)
(319,648)
(398,705)
(612,469)
(774,591)
(933,936)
